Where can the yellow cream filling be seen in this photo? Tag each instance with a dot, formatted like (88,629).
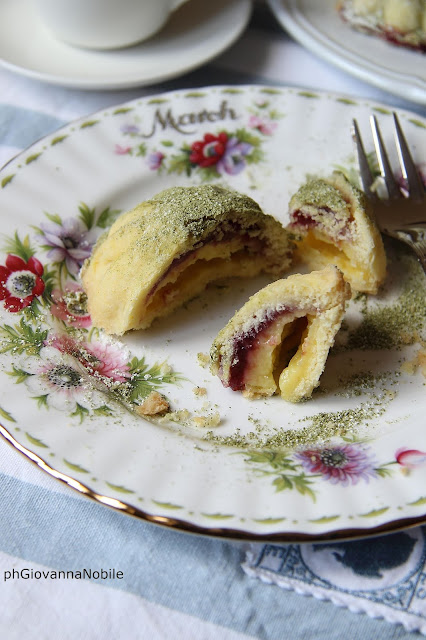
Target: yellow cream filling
(275,347)
(187,279)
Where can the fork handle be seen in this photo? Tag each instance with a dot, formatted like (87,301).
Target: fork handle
(416,239)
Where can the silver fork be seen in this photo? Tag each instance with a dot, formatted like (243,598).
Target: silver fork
(399,216)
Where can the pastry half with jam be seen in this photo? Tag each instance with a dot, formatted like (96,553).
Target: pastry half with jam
(168,249)
(400,22)
(333,225)
(278,342)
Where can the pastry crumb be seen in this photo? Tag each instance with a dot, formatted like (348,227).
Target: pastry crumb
(153,405)
(418,363)
(179,417)
(203,359)
(199,391)
(212,420)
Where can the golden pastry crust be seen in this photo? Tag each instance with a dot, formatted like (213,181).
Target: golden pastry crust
(167,249)
(334,225)
(278,342)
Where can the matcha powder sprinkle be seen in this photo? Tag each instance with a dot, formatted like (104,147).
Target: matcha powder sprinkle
(395,324)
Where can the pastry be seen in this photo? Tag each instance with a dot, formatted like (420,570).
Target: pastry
(334,225)
(278,342)
(401,22)
(167,249)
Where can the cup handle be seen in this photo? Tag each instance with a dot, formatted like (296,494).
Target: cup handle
(176,3)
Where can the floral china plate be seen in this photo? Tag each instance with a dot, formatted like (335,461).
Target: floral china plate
(351,461)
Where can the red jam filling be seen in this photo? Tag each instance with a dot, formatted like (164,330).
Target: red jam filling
(300,219)
(245,344)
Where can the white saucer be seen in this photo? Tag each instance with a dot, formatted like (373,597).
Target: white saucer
(196,33)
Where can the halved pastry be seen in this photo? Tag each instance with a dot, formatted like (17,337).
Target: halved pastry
(334,225)
(278,342)
(167,249)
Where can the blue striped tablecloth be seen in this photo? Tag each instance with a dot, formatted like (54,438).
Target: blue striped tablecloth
(158,583)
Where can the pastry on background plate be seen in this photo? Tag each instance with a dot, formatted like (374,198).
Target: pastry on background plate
(278,342)
(401,22)
(168,249)
(333,223)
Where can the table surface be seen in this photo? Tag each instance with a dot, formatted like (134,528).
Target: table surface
(172,583)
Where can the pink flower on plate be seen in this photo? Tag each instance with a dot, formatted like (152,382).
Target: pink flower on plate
(61,381)
(100,360)
(111,362)
(70,306)
(410,458)
(122,151)
(58,378)
(265,126)
(344,464)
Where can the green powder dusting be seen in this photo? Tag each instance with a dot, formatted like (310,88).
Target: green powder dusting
(323,426)
(360,383)
(393,325)
(198,208)
(347,421)
(76,302)
(321,194)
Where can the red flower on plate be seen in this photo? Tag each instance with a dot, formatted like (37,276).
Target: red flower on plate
(209,150)
(20,282)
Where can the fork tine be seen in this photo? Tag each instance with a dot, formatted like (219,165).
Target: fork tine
(367,177)
(409,171)
(382,157)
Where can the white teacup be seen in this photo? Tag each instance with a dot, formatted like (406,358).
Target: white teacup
(105,24)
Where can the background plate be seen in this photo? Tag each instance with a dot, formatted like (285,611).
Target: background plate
(318,27)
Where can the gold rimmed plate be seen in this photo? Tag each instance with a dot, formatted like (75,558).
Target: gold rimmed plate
(351,461)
